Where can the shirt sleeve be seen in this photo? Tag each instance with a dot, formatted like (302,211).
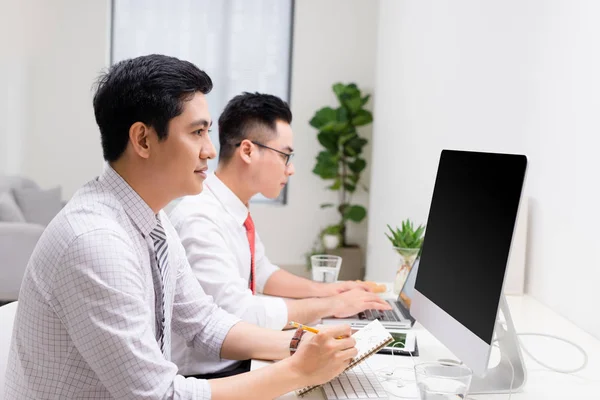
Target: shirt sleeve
(102,303)
(214,265)
(189,298)
(264,268)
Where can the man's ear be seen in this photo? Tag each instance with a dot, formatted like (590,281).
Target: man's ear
(139,137)
(246,149)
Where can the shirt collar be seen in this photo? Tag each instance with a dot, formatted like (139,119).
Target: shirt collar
(232,204)
(135,207)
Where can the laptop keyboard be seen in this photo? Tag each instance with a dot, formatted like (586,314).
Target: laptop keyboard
(359,383)
(386,315)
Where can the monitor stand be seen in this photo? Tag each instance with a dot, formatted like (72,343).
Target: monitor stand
(498,379)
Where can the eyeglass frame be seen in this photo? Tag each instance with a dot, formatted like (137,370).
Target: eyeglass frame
(288,156)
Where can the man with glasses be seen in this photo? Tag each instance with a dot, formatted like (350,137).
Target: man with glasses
(223,248)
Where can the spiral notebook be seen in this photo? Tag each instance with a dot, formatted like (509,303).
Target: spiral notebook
(369,340)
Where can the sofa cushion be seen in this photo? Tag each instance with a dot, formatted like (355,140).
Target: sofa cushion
(10,182)
(39,206)
(9,210)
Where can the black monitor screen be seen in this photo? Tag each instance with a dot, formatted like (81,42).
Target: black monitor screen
(468,236)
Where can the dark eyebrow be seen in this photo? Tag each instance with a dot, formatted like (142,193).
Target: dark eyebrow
(202,123)
(289,149)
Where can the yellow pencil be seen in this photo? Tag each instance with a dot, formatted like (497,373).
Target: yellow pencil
(303,327)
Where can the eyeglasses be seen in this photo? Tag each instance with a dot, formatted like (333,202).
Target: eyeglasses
(287,156)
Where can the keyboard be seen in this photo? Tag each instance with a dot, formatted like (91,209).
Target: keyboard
(386,315)
(359,383)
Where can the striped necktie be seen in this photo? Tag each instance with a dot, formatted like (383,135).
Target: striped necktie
(161,280)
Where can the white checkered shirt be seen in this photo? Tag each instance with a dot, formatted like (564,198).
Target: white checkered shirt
(85,325)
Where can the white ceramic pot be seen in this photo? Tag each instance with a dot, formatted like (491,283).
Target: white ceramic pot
(331,242)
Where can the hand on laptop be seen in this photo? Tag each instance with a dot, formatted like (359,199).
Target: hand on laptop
(356,300)
(323,357)
(331,289)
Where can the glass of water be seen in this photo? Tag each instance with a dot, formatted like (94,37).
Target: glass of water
(443,381)
(325,267)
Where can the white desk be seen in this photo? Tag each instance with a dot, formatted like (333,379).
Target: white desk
(529,315)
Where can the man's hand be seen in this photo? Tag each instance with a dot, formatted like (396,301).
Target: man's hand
(331,289)
(323,357)
(356,300)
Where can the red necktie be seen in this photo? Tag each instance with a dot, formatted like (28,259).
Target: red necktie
(249,225)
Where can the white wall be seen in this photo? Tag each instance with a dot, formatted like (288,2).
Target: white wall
(56,50)
(513,76)
(334,41)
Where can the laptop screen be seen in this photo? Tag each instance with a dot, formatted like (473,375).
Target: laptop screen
(408,288)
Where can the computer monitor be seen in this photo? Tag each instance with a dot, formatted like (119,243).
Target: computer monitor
(458,290)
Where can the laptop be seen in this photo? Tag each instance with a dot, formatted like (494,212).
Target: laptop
(397,318)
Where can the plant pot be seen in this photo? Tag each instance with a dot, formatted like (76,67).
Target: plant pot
(406,260)
(353,264)
(331,242)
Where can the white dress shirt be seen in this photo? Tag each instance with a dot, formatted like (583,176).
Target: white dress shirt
(211,228)
(85,325)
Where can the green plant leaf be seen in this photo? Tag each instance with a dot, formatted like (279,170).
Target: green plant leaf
(362,117)
(357,166)
(323,116)
(354,146)
(355,213)
(329,140)
(406,237)
(327,167)
(336,185)
(347,137)
(342,115)
(350,187)
(339,89)
(327,205)
(365,99)
(332,230)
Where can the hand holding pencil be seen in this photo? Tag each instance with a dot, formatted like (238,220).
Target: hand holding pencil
(325,355)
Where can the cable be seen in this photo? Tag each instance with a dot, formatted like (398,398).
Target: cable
(400,382)
(559,370)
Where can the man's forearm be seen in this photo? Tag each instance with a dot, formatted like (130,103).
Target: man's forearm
(264,383)
(284,284)
(245,341)
(305,311)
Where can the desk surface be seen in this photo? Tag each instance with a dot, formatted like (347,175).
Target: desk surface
(529,315)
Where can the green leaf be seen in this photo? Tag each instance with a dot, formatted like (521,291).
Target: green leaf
(357,166)
(353,178)
(355,213)
(338,89)
(406,237)
(350,187)
(327,205)
(328,140)
(347,137)
(323,116)
(362,117)
(342,115)
(327,167)
(354,146)
(353,104)
(365,99)
(336,185)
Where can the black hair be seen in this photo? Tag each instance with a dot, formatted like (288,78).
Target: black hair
(149,89)
(244,114)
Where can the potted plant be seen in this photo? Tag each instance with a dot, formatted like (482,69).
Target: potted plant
(407,243)
(340,162)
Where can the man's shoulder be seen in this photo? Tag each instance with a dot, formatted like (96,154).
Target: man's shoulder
(203,205)
(92,209)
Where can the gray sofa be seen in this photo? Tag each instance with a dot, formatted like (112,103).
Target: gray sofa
(25,210)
